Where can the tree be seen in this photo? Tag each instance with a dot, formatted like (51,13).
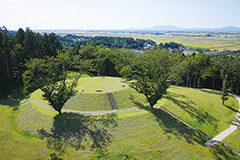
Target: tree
(225,89)
(149,74)
(225,70)
(50,75)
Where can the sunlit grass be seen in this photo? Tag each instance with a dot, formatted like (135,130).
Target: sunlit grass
(141,132)
(201,108)
(233,140)
(105,84)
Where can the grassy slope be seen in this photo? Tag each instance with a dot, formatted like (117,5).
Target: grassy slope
(201,108)
(151,134)
(15,144)
(233,140)
(140,133)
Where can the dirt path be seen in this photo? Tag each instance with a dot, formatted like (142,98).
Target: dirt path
(89,112)
(228,131)
(111,99)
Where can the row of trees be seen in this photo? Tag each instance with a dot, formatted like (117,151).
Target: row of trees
(41,62)
(16,50)
(110,42)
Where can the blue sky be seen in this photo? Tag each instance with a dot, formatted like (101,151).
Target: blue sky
(118,14)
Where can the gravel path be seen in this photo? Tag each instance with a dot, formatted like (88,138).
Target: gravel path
(228,131)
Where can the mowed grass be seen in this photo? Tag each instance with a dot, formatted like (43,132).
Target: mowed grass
(105,84)
(150,135)
(16,144)
(201,108)
(233,140)
(134,130)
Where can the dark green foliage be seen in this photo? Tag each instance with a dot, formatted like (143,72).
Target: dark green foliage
(15,51)
(50,75)
(225,90)
(149,74)
(110,42)
(171,45)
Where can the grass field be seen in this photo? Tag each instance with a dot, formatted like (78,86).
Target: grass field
(214,43)
(201,108)
(133,131)
(233,140)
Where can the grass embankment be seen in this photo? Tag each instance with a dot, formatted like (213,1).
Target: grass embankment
(89,99)
(151,134)
(133,130)
(233,140)
(201,108)
(15,143)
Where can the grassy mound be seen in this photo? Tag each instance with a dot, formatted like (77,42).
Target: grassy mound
(150,134)
(105,84)
(201,108)
(133,131)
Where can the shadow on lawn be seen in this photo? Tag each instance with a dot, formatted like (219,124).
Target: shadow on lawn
(210,92)
(220,152)
(180,130)
(192,109)
(173,126)
(80,132)
(229,107)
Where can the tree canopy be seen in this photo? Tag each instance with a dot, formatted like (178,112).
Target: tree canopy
(149,74)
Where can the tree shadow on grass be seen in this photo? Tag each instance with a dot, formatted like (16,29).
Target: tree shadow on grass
(180,130)
(80,132)
(231,108)
(220,152)
(173,126)
(210,92)
(196,112)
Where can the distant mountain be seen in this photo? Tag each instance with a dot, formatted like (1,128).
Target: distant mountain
(165,28)
(176,28)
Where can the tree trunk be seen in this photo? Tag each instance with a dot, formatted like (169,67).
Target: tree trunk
(195,79)
(213,84)
(190,81)
(60,112)
(223,101)
(187,80)
(8,74)
(237,88)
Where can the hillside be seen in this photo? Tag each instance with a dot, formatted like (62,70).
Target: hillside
(133,130)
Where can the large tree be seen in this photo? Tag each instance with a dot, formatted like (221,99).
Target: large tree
(149,74)
(50,75)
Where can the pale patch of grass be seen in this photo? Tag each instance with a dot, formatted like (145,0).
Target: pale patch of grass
(105,84)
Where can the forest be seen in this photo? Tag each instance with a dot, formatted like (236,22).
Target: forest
(110,42)
(195,70)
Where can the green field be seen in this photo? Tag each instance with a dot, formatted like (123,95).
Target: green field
(135,131)
(220,42)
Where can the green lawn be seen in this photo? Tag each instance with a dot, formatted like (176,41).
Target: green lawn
(150,135)
(233,140)
(133,130)
(201,108)
(105,84)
